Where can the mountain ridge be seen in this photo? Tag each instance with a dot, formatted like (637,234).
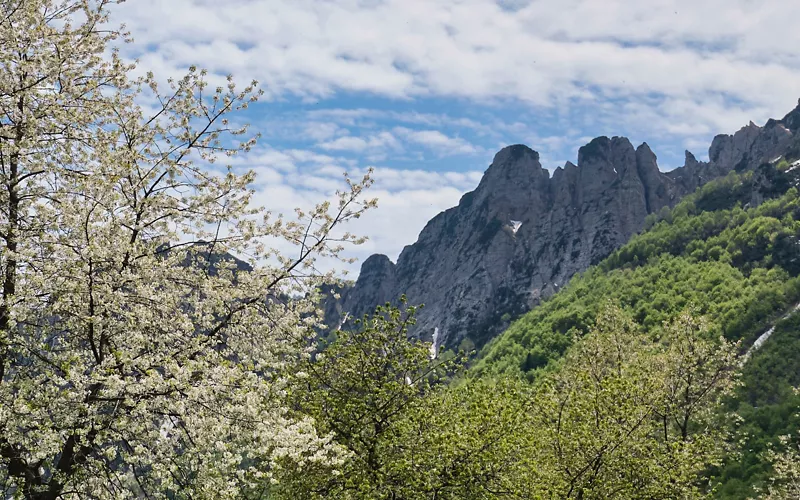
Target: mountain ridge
(522,233)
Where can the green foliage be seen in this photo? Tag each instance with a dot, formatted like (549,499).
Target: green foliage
(721,194)
(404,431)
(628,417)
(739,267)
(580,399)
(624,417)
(466,346)
(768,407)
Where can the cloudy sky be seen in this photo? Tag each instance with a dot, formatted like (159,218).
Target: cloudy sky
(426,91)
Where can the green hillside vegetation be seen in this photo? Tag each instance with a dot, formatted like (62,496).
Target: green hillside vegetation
(625,417)
(738,266)
(625,385)
(768,406)
(630,390)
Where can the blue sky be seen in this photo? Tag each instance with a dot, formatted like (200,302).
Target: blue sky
(426,91)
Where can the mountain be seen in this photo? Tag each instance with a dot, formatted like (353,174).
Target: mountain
(522,234)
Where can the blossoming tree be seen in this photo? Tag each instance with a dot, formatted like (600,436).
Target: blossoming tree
(134,361)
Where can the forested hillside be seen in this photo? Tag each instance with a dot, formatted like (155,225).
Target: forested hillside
(769,408)
(736,264)
(632,382)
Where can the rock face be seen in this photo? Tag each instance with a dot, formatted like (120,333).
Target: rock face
(376,285)
(744,150)
(521,234)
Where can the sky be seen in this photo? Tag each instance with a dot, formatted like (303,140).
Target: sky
(427,91)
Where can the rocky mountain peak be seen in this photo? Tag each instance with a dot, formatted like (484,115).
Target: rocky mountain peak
(516,165)
(646,162)
(645,149)
(521,234)
(596,149)
(511,155)
(646,159)
(376,265)
(604,153)
(689,159)
(792,119)
(516,239)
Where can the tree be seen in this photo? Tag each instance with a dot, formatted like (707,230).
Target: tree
(407,433)
(786,471)
(626,417)
(697,373)
(125,371)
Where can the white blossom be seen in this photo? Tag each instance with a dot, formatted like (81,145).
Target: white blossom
(129,364)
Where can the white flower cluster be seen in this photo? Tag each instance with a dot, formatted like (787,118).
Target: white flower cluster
(136,359)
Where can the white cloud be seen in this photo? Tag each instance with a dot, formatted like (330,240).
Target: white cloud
(392,180)
(546,52)
(407,198)
(320,131)
(438,141)
(670,71)
(378,142)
